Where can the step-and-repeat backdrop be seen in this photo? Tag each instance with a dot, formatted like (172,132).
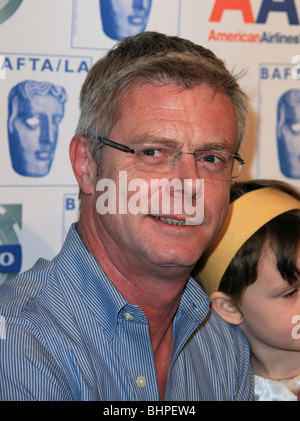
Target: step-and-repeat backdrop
(46,50)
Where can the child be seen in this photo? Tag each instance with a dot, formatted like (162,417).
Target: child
(252,274)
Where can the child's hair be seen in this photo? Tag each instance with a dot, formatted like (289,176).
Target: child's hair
(281,234)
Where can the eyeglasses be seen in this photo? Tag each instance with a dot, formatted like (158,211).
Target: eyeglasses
(217,164)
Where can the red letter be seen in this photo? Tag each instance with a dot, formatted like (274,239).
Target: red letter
(243,5)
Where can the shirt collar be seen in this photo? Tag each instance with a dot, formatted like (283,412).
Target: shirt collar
(194,302)
(91,282)
(101,296)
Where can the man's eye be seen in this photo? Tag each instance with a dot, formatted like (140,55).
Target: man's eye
(151,152)
(212,159)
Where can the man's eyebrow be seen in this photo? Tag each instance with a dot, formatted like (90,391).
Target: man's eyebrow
(154,140)
(221,145)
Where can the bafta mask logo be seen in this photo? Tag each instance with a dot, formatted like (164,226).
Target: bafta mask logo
(35,110)
(121,18)
(288,133)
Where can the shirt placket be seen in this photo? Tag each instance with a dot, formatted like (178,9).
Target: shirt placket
(133,345)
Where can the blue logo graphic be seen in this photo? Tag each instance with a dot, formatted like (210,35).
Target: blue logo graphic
(35,110)
(288,133)
(121,18)
(10,258)
(8,8)
(10,249)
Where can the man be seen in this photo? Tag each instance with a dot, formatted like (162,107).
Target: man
(115,316)
(35,112)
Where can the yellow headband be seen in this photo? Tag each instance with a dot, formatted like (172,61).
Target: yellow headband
(245,216)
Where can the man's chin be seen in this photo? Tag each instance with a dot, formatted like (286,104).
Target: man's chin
(174,264)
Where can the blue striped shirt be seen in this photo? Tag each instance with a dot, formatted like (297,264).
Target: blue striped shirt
(70,335)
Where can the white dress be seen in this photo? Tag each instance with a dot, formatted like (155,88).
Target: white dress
(277,390)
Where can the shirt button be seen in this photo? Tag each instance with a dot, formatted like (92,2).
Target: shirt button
(128,316)
(141,381)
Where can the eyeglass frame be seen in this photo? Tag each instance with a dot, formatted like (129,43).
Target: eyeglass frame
(124,148)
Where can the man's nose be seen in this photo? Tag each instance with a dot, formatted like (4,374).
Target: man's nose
(186,170)
(185,165)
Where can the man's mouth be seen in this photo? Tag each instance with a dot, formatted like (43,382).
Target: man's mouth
(171,221)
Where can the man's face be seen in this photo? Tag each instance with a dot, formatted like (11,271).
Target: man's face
(191,119)
(123,18)
(33,134)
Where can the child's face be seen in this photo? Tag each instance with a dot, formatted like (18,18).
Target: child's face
(270,307)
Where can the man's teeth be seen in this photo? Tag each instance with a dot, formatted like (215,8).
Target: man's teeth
(171,221)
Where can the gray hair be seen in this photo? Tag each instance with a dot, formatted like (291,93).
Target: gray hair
(156,58)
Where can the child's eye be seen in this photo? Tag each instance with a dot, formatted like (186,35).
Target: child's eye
(290,293)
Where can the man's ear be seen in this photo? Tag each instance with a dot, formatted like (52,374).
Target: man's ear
(83,164)
(224,306)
